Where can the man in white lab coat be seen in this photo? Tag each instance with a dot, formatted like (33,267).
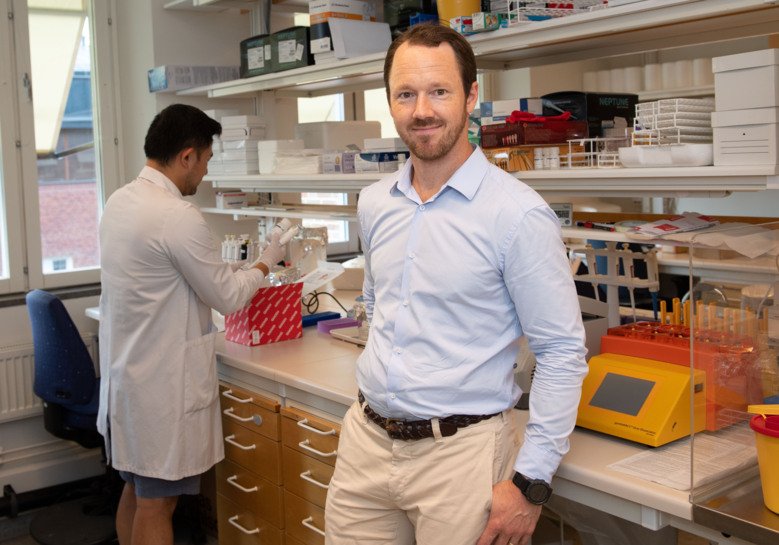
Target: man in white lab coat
(162,273)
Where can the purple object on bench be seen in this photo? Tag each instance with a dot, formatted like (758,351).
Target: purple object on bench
(326,325)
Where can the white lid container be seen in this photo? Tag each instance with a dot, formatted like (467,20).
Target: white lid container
(267,150)
(757,71)
(746,137)
(749,116)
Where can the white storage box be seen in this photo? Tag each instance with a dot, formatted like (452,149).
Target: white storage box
(756,71)
(337,135)
(218,114)
(242,121)
(746,137)
(231,200)
(267,150)
(175,78)
(243,133)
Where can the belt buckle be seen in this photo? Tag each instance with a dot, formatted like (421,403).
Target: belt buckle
(394,427)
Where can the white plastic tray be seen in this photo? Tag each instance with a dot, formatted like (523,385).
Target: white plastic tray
(678,155)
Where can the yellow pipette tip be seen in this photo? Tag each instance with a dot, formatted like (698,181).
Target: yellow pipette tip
(764,410)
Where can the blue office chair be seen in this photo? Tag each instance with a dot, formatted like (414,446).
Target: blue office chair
(65,380)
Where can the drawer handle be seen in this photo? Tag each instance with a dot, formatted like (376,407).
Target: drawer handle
(231,439)
(303,424)
(230,411)
(305,446)
(234,522)
(229,395)
(307,523)
(306,476)
(232,480)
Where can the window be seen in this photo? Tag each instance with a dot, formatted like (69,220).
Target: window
(342,235)
(61,52)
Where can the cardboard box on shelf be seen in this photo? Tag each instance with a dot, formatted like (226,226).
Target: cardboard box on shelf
(273,315)
(168,78)
(551,131)
(594,108)
(321,10)
(256,56)
(290,49)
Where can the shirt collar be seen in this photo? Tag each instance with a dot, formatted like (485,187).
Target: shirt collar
(156,177)
(466,179)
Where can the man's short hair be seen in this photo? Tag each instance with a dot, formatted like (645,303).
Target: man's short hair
(433,35)
(177,127)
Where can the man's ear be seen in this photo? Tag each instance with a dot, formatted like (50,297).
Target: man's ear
(187,157)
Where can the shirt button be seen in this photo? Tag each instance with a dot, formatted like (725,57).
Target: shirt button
(397,351)
(392,396)
(405,303)
(422,207)
(412,255)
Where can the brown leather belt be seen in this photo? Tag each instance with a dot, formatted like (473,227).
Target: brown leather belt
(410,430)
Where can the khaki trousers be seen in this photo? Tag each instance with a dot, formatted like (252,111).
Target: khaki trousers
(429,491)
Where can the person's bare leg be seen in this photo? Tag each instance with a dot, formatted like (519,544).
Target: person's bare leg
(153,522)
(125,514)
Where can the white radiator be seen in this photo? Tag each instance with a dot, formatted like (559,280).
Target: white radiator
(17,400)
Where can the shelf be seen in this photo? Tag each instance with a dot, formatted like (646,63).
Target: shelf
(210,5)
(295,183)
(336,213)
(642,182)
(654,182)
(631,28)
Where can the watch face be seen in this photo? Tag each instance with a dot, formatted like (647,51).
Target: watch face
(538,493)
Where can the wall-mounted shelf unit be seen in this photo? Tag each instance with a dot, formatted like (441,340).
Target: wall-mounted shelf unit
(647,182)
(295,183)
(632,28)
(209,5)
(654,182)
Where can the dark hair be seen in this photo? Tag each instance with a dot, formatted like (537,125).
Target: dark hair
(177,127)
(433,35)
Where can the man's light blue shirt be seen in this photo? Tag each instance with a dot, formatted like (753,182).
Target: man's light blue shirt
(450,285)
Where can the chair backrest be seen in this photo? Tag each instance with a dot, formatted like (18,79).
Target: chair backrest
(64,371)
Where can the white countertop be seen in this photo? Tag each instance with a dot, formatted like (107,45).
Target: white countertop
(322,366)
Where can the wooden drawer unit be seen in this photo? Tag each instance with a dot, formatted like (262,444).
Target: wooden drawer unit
(257,413)
(304,521)
(252,451)
(289,540)
(240,526)
(251,492)
(306,477)
(309,434)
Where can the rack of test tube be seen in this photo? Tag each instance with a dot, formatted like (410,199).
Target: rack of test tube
(724,343)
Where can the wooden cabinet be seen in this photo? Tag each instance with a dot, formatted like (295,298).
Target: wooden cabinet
(272,484)
(250,505)
(310,445)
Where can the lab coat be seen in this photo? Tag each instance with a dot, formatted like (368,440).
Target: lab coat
(161,275)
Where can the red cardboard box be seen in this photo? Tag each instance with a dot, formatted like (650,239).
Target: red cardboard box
(273,315)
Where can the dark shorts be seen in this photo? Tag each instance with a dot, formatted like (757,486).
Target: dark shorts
(149,487)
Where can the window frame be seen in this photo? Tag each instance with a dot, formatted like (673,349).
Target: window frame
(106,116)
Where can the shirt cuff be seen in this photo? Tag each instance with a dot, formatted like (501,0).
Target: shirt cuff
(536,463)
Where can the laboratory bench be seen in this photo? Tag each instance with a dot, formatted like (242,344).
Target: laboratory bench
(315,376)
(316,373)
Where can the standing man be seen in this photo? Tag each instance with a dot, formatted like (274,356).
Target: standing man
(161,275)
(461,259)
